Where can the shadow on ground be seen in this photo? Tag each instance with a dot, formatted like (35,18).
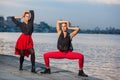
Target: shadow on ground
(9,66)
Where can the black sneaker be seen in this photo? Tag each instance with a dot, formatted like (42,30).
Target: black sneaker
(20,68)
(47,71)
(81,73)
(33,71)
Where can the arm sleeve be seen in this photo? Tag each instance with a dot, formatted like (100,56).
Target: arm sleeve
(32,15)
(15,21)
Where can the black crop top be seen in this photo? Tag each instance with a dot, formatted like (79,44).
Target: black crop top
(64,44)
(26,28)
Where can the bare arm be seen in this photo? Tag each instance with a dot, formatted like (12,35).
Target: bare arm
(21,16)
(58,25)
(18,17)
(76,30)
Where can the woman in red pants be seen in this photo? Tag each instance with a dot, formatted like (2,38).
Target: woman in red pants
(65,48)
(24,44)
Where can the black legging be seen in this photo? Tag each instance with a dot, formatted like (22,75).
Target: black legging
(32,52)
(21,58)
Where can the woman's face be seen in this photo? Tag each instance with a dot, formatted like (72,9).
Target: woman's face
(64,27)
(26,17)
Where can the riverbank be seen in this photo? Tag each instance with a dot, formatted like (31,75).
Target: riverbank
(101,52)
(9,71)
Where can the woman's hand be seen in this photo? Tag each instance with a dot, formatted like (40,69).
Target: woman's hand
(23,14)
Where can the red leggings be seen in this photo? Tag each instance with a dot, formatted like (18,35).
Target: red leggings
(61,55)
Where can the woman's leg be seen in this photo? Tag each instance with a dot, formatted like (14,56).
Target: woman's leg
(80,57)
(21,59)
(32,52)
(75,55)
(55,55)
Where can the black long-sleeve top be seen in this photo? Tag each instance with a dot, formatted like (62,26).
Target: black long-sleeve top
(26,28)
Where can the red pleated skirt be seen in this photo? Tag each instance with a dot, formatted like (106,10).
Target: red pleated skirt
(24,42)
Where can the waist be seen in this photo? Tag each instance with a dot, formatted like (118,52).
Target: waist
(66,51)
(25,34)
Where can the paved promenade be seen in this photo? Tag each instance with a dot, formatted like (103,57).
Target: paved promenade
(9,71)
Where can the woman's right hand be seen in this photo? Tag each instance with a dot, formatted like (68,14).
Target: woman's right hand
(23,14)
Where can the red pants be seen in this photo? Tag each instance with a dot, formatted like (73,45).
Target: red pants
(61,55)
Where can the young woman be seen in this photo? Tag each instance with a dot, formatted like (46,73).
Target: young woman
(24,44)
(65,48)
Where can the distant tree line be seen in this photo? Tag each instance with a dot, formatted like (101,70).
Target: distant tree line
(97,30)
(43,27)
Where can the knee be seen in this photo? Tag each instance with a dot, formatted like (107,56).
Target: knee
(31,51)
(81,56)
(45,55)
(22,53)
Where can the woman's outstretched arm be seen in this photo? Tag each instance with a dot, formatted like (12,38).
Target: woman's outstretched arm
(15,17)
(75,31)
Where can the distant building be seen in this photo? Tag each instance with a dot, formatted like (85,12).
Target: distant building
(11,26)
(9,19)
(1,18)
(1,23)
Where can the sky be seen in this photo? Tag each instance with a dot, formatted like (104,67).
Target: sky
(87,14)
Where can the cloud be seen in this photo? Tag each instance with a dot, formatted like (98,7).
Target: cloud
(105,1)
(91,1)
(14,3)
(44,3)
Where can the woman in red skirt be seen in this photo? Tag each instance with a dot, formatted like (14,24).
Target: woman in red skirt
(24,44)
(65,48)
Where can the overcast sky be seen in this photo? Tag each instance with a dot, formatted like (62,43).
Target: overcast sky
(84,13)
